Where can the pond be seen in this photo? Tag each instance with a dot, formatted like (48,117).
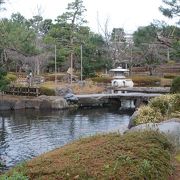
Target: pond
(29,133)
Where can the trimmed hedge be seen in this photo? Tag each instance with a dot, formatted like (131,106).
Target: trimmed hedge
(47,91)
(175,88)
(102,79)
(146,80)
(170,76)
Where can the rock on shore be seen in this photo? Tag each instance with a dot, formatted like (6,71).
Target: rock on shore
(170,127)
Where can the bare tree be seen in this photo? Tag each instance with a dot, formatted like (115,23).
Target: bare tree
(118,46)
(25,63)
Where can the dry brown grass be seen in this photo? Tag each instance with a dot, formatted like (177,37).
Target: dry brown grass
(166,82)
(87,88)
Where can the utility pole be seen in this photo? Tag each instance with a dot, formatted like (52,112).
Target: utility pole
(168,57)
(55,66)
(71,60)
(131,58)
(81,63)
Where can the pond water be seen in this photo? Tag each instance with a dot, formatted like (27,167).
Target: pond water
(29,133)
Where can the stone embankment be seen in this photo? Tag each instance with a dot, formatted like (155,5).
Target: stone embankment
(161,90)
(41,102)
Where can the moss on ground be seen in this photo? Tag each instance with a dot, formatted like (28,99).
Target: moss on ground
(136,155)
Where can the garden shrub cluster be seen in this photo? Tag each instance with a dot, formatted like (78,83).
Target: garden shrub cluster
(147,114)
(166,104)
(159,109)
(146,80)
(11,77)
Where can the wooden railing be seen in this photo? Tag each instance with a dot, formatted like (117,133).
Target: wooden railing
(23,91)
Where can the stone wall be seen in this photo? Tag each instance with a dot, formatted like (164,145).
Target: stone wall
(41,102)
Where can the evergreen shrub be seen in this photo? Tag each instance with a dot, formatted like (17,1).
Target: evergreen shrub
(47,91)
(175,88)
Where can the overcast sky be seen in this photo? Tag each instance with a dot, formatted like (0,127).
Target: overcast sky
(128,14)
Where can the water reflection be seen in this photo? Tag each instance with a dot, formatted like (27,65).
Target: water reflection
(28,133)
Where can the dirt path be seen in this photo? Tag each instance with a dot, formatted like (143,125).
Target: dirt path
(176,173)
